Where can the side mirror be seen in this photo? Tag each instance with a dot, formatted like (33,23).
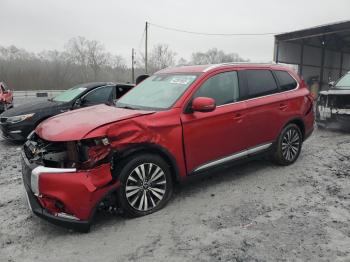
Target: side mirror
(331,84)
(203,104)
(78,103)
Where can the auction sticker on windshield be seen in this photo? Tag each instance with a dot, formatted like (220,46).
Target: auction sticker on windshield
(183,80)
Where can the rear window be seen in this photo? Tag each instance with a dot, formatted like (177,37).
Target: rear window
(260,83)
(286,81)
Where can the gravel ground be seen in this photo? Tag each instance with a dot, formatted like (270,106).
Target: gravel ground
(251,212)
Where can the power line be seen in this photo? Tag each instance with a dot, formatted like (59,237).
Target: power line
(212,34)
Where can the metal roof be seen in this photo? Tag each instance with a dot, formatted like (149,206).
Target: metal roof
(339,32)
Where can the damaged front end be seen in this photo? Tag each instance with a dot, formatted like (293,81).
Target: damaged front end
(333,111)
(67,181)
(83,154)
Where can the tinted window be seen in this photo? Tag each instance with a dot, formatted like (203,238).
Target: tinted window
(121,90)
(99,95)
(285,80)
(260,82)
(221,87)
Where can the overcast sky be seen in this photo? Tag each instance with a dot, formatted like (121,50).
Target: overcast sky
(48,24)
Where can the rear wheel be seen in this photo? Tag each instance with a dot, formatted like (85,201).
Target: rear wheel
(288,145)
(146,185)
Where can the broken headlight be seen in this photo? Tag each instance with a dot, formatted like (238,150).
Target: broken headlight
(94,150)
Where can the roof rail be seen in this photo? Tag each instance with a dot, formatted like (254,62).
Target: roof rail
(237,63)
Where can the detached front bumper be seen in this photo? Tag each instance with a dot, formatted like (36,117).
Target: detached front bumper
(65,199)
(333,118)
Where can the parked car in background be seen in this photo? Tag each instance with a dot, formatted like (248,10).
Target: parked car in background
(333,105)
(178,123)
(17,123)
(6,97)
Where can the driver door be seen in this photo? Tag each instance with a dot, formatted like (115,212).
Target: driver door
(212,138)
(100,95)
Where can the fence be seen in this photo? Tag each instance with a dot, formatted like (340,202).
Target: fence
(36,93)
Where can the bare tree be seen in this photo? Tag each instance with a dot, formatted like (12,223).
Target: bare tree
(182,62)
(215,56)
(160,57)
(82,61)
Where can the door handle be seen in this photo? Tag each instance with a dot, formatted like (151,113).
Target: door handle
(283,106)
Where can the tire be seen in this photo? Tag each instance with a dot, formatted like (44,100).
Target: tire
(145,185)
(288,146)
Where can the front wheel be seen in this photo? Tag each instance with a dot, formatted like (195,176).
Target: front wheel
(145,185)
(288,145)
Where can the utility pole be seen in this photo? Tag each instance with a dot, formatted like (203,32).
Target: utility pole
(146,48)
(132,66)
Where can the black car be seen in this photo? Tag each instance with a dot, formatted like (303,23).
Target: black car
(333,105)
(17,123)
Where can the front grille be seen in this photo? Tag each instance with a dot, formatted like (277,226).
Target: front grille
(339,101)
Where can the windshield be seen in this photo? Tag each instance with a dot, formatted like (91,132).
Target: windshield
(157,92)
(70,94)
(344,82)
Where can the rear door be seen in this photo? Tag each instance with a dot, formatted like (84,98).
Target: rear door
(211,137)
(266,107)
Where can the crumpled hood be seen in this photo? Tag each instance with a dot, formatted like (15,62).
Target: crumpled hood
(75,125)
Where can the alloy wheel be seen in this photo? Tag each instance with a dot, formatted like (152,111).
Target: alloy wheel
(291,143)
(145,187)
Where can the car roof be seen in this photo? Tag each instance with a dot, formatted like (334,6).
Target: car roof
(212,67)
(93,85)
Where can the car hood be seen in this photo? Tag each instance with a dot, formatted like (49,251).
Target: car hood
(30,108)
(75,125)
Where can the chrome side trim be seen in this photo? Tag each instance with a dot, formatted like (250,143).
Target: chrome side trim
(34,179)
(15,132)
(241,154)
(257,149)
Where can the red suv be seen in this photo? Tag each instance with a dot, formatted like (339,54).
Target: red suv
(177,123)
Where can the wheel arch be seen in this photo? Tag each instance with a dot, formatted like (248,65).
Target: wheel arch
(152,149)
(299,122)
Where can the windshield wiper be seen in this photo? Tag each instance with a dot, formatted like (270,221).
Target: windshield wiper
(127,107)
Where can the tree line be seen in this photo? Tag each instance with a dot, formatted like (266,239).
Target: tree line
(83,60)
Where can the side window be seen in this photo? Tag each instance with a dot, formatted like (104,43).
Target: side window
(121,90)
(285,80)
(222,87)
(260,83)
(100,95)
